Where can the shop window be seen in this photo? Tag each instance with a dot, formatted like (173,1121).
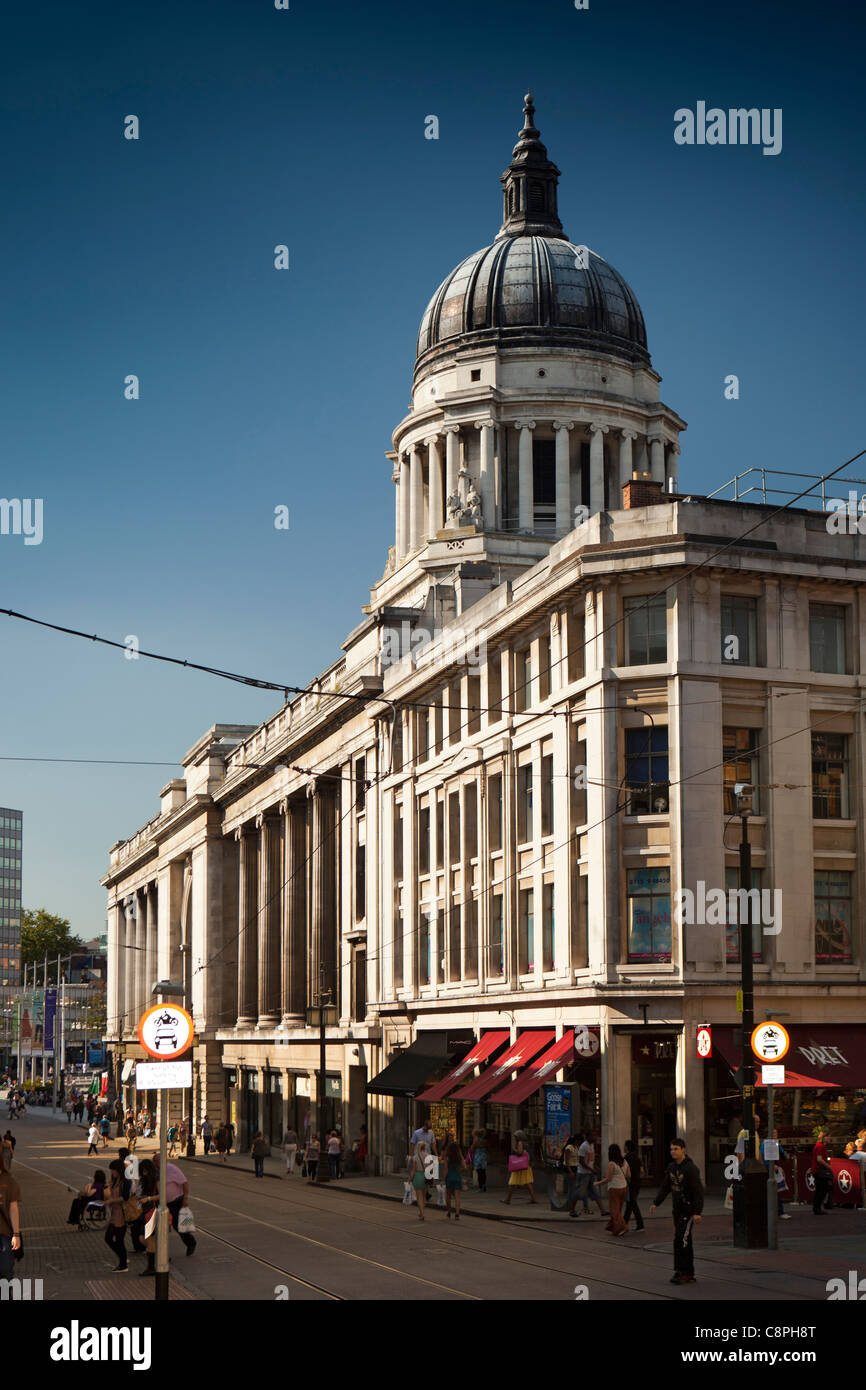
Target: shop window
(524,804)
(646,641)
(833,945)
(740,754)
(827,638)
(646,771)
(494,812)
(470,938)
(360,882)
(548,928)
(440,833)
(523,679)
(575,627)
(648,915)
(424,840)
(473,714)
(470,821)
(424,949)
(497,937)
(526,931)
(830,776)
(739,628)
(732,928)
(547,795)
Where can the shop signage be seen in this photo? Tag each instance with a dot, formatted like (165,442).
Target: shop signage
(334,1087)
(127,1069)
(705,1042)
(456,1042)
(647,1048)
(770,1041)
(772,1076)
(165,1031)
(163,1076)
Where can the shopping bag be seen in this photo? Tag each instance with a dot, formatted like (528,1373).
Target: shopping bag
(185,1222)
(779,1173)
(440,1194)
(408,1194)
(729,1198)
(150,1225)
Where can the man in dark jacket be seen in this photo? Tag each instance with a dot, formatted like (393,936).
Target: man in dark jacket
(683,1181)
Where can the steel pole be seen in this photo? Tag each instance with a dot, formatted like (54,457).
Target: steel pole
(323,1173)
(160,1291)
(753,1172)
(772,1194)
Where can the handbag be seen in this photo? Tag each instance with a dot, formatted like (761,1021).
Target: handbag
(516,1162)
(132,1209)
(781,1180)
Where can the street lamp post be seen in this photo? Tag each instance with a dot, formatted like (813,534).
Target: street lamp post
(750,1194)
(322,1172)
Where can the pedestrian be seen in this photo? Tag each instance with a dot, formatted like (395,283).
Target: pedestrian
(683,1181)
(632,1158)
(259,1150)
(479,1158)
(617,1190)
(569,1163)
(221,1142)
(418,1177)
(10,1217)
(104,1127)
(587,1186)
(93,1139)
(312,1157)
(147,1192)
(519,1169)
(334,1146)
(230,1136)
(115,1234)
(177,1197)
(206,1133)
(172,1140)
(456,1164)
(821,1173)
(290,1149)
(361,1149)
(69,1107)
(181,1134)
(131,1137)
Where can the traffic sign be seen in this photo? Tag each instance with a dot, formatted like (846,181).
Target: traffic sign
(162,1076)
(770,1041)
(772,1076)
(705,1042)
(165,1031)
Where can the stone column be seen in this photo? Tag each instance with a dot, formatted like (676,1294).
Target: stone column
(129,1016)
(434,471)
(596,467)
(294,915)
(657,455)
(405,522)
(525,506)
(150,976)
(626,466)
(248,903)
(672,471)
(564,522)
(139,954)
(487,483)
(317,925)
(416,499)
(398,515)
(452,458)
(269,920)
(115,978)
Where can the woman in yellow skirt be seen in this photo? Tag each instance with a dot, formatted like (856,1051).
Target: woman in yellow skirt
(519,1168)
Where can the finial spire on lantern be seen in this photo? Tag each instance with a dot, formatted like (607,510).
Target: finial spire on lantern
(529,185)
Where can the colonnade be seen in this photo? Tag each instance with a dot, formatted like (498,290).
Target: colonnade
(426,473)
(133,937)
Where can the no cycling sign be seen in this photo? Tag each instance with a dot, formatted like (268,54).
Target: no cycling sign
(165,1031)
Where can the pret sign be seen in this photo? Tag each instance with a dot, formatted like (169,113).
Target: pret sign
(165,1031)
(770,1041)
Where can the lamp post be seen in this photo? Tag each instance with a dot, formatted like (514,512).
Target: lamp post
(750,1194)
(318,1015)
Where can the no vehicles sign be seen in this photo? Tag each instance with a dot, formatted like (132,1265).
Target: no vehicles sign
(165,1031)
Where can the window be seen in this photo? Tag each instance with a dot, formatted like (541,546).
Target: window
(423,732)
(580,924)
(548,928)
(497,936)
(475,374)
(470,821)
(833,918)
(575,628)
(360,785)
(524,803)
(523,679)
(547,795)
(398,843)
(739,750)
(437,726)
(494,811)
(646,639)
(359,982)
(455,714)
(526,932)
(397,744)
(732,927)
(454,942)
(424,840)
(440,833)
(544,487)
(454,828)
(424,947)
(543,667)
(360,882)
(830,776)
(646,771)
(649,915)
(470,938)
(578,784)
(473,714)
(827,637)
(739,627)
(494,688)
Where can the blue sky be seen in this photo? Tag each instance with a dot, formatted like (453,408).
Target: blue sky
(261,388)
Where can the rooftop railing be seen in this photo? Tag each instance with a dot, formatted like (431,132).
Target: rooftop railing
(763,485)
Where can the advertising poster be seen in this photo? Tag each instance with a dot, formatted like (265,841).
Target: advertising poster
(557,1119)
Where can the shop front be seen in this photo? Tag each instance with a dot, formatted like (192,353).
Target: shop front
(654,1100)
(411,1071)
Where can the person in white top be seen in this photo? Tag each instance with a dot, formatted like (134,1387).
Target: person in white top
(93,1138)
(617,1187)
(586,1184)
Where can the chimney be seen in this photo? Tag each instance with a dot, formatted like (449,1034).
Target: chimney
(642,491)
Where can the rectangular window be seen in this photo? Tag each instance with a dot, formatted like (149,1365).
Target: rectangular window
(472,716)
(575,627)
(397,744)
(494,688)
(422,726)
(360,882)
(833,943)
(470,938)
(497,937)
(359,983)
(440,833)
(424,840)
(494,811)
(649,915)
(739,628)
(524,804)
(547,795)
(543,667)
(454,942)
(740,754)
(523,679)
(454,828)
(830,776)
(424,949)
(580,919)
(646,771)
(548,929)
(398,843)
(455,713)
(470,821)
(732,926)
(827,638)
(646,641)
(526,931)
(360,785)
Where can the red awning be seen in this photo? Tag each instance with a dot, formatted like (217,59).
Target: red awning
(527,1046)
(544,1069)
(824,1054)
(486,1045)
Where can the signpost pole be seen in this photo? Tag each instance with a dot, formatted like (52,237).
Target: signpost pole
(772,1193)
(161,1287)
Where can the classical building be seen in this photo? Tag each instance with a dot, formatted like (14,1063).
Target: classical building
(468,834)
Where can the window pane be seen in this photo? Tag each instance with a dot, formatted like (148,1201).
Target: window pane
(646,771)
(738,630)
(833,918)
(649,914)
(827,637)
(829,776)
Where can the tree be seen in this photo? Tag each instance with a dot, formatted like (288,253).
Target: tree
(43,934)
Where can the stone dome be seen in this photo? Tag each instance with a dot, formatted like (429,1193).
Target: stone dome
(532,286)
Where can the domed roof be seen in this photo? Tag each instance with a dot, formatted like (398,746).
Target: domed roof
(532,286)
